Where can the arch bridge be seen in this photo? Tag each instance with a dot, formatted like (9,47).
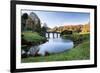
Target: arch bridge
(53,34)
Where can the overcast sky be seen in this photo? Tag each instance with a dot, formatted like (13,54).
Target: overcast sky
(53,19)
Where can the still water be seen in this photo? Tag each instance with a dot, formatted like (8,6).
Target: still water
(53,45)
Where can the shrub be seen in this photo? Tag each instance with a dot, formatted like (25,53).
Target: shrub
(77,38)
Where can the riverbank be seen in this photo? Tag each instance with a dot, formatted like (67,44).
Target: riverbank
(30,38)
(77,38)
(80,52)
(33,37)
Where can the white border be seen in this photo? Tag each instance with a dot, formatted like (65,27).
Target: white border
(20,65)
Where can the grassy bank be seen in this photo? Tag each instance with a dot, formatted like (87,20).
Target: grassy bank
(33,37)
(80,52)
(77,38)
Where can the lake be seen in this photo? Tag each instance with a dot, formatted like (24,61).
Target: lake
(53,45)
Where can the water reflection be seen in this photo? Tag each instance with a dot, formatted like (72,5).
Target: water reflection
(54,45)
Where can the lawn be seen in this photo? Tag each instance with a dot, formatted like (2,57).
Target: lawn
(33,37)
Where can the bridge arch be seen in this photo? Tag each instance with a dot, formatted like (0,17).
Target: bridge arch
(52,34)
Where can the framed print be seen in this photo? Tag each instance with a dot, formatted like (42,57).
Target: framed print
(52,36)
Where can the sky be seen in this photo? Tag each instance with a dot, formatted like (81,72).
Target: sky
(53,19)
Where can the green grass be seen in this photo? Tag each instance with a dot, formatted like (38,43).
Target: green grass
(77,37)
(80,52)
(33,37)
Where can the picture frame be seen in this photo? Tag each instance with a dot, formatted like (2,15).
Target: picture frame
(17,6)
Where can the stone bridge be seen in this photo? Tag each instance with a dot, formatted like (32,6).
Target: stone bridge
(54,34)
